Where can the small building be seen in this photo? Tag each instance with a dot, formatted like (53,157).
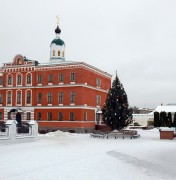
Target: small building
(143,119)
(59,94)
(146,119)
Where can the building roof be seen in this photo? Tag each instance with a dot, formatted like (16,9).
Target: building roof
(167,108)
(65,63)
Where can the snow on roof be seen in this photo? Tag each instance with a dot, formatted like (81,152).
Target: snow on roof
(166,108)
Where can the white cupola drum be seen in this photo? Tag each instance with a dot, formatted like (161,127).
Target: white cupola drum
(57,47)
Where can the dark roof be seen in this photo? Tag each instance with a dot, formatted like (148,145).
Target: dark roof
(58,42)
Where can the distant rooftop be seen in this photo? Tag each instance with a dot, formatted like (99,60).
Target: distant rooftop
(166,108)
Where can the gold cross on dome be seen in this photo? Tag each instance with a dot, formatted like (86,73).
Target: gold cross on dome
(58,19)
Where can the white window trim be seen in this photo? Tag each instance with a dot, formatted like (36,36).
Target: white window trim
(7,98)
(17,98)
(29,84)
(27,104)
(17,79)
(8,78)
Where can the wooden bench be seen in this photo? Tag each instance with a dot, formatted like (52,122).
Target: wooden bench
(131,134)
(115,135)
(98,134)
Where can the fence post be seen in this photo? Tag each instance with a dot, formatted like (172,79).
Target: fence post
(11,129)
(33,128)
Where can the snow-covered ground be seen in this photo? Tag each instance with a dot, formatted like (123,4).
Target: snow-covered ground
(65,156)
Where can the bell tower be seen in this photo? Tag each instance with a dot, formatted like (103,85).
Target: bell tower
(57,47)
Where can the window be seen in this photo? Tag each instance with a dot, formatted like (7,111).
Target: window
(63,53)
(39,79)
(53,52)
(72,77)
(60,116)
(28,116)
(49,97)
(98,82)
(1,98)
(9,98)
(58,52)
(61,97)
(49,116)
(28,97)
(18,97)
(72,97)
(19,80)
(61,77)
(29,79)
(50,78)
(85,116)
(39,99)
(1,81)
(98,99)
(0,115)
(72,116)
(39,116)
(10,80)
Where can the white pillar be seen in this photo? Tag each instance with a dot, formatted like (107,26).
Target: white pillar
(11,129)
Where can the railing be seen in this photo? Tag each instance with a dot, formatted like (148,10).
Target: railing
(115,134)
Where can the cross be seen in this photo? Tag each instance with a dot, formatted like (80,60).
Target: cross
(58,19)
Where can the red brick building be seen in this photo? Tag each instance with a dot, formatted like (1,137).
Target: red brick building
(60,94)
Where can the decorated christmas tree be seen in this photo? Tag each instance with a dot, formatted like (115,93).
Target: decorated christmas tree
(115,111)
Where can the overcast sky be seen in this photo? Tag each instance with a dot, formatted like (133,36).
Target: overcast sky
(135,37)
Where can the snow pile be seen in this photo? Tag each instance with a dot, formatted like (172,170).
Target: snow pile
(167,129)
(58,133)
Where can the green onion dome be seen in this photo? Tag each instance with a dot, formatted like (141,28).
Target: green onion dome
(58,41)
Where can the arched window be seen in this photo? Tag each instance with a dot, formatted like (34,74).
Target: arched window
(9,80)
(58,52)
(19,80)
(18,97)
(9,98)
(53,52)
(28,100)
(28,78)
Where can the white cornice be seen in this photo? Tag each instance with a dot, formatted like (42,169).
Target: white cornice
(56,86)
(53,107)
(73,65)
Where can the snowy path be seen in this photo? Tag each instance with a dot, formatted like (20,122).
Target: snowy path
(79,157)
